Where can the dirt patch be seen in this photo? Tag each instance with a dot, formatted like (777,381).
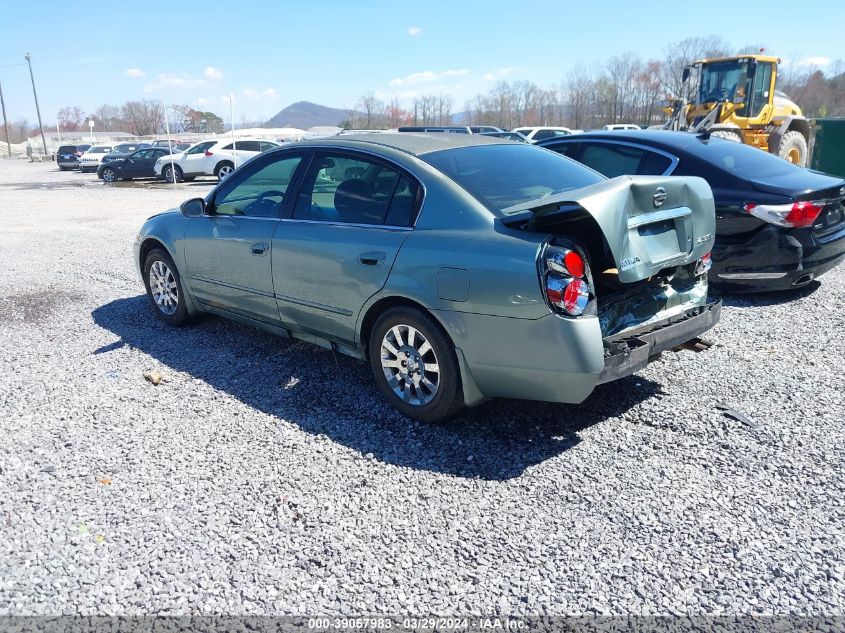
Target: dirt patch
(34,307)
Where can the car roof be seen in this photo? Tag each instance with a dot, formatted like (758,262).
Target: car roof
(661,139)
(415,143)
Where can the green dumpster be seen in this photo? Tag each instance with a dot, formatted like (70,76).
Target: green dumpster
(829,146)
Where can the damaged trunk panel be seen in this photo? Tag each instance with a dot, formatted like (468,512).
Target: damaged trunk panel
(643,238)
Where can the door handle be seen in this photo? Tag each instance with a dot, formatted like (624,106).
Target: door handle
(371,258)
(260,248)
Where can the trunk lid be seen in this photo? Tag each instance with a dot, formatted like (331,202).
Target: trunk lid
(650,223)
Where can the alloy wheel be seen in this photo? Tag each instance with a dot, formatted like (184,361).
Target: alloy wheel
(225,171)
(163,288)
(109,175)
(410,365)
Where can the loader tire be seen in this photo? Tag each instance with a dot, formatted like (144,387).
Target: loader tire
(728,135)
(793,147)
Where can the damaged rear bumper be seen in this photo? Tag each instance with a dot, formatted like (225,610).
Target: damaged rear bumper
(628,352)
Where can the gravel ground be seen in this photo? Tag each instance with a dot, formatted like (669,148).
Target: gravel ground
(264,477)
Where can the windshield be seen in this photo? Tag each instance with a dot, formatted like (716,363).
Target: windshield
(125,147)
(500,176)
(99,149)
(722,80)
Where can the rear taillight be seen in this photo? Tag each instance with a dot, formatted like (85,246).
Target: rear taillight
(703,265)
(793,215)
(563,275)
(208,153)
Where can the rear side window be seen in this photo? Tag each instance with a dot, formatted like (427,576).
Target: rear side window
(618,160)
(355,190)
(500,176)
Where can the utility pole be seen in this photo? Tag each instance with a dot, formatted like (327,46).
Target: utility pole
(28,59)
(5,121)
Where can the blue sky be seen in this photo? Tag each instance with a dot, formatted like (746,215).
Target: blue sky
(272,53)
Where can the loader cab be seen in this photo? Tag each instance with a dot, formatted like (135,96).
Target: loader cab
(746,83)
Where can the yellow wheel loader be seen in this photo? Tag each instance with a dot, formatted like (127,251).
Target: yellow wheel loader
(735,98)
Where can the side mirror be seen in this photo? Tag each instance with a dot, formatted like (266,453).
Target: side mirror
(193,208)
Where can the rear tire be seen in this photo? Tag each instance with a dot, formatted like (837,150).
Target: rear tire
(410,354)
(793,148)
(728,135)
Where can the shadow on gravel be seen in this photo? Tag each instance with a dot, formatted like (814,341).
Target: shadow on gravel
(753,300)
(336,397)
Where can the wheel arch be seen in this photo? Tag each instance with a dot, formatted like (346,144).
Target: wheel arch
(220,164)
(148,245)
(471,393)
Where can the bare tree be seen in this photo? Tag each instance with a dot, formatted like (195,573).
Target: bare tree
(684,53)
(70,118)
(373,110)
(109,119)
(144,117)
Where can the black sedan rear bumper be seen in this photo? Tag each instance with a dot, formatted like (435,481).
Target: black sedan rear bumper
(775,259)
(628,352)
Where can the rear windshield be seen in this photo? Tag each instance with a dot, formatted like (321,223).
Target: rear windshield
(743,160)
(67,149)
(500,176)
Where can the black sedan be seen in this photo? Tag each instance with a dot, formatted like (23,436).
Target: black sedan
(139,164)
(67,156)
(778,226)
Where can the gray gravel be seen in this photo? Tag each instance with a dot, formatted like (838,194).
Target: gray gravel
(262,476)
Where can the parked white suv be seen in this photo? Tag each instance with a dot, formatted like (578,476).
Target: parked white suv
(535,134)
(217,157)
(621,126)
(91,159)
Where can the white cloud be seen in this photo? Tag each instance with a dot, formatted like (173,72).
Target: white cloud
(213,73)
(252,94)
(414,31)
(202,102)
(815,61)
(427,76)
(136,73)
(499,73)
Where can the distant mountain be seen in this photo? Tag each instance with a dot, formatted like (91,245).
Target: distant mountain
(304,115)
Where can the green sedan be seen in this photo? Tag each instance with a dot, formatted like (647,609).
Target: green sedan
(460,267)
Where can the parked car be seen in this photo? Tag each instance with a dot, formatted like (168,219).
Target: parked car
(122,150)
(219,157)
(67,156)
(462,267)
(778,226)
(535,134)
(138,164)
(615,127)
(90,160)
(511,136)
(175,146)
(450,129)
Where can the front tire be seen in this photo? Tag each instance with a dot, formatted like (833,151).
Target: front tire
(793,148)
(168,173)
(164,288)
(414,365)
(109,175)
(224,170)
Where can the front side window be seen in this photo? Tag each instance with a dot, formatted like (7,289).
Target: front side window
(142,155)
(355,190)
(201,148)
(259,192)
(501,176)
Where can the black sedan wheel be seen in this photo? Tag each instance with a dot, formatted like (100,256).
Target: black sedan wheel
(109,175)
(414,365)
